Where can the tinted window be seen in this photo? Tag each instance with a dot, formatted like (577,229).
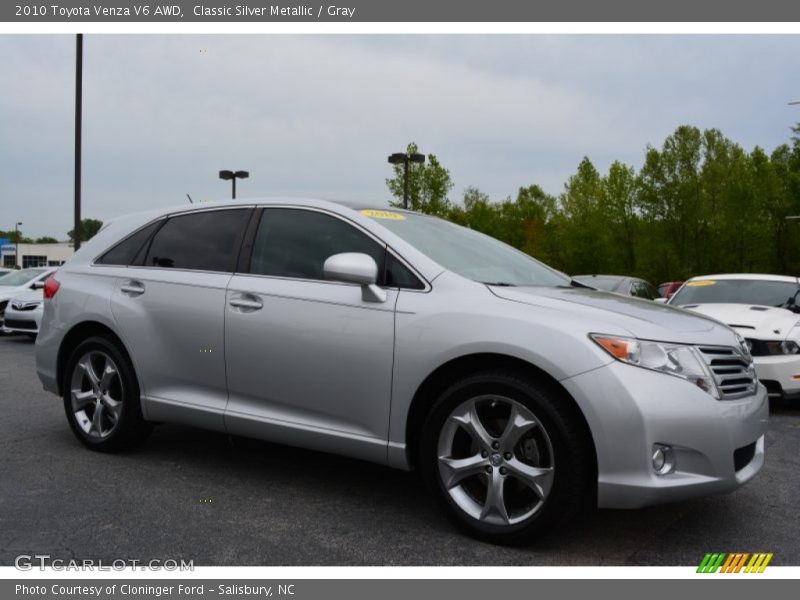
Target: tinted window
(206,241)
(638,290)
(296,243)
(125,252)
(399,276)
(652,292)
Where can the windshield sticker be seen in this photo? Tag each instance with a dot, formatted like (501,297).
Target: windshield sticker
(383,214)
(700,283)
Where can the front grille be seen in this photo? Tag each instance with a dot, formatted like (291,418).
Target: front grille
(742,456)
(20,324)
(733,371)
(3,305)
(23,307)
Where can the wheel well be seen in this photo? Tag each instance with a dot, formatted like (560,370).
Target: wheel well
(75,336)
(449,373)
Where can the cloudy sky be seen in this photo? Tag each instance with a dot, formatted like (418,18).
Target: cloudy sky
(317,115)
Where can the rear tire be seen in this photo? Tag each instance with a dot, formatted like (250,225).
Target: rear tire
(501,483)
(102,398)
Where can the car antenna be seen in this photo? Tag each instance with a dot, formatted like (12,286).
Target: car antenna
(190,199)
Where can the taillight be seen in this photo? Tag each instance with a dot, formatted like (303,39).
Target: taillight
(51,286)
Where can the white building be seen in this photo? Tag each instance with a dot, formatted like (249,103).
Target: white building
(35,255)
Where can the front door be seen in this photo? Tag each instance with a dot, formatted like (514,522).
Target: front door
(309,362)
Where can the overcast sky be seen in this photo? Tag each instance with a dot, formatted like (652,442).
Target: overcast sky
(318,115)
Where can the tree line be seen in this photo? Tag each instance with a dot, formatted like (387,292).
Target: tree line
(89,227)
(699,204)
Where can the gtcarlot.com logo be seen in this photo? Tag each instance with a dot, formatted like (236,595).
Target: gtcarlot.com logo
(734,562)
(28,562)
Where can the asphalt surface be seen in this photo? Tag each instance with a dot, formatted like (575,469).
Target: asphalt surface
(219,500)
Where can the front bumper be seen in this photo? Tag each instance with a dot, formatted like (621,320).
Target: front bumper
(782,370)
(22,321)
(630,409)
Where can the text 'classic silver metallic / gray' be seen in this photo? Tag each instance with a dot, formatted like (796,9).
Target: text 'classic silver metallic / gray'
(519,395)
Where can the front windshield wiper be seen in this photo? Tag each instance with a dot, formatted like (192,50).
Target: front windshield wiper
(578,284)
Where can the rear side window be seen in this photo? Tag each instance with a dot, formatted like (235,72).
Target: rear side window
(125,252)
(204,241)
(296,243)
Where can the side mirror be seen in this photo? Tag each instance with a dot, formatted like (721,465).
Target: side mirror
(661,300)
(37,285)
(355,267)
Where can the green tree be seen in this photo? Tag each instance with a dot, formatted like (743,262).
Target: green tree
(46,240)
(429,184)
(584,234)
(89,228)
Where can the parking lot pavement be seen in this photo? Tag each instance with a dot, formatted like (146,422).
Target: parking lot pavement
(196,495)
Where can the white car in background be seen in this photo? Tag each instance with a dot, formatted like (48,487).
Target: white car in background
(765,310)
(19,282)
(24,313)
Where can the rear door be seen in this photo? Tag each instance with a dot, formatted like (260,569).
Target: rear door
(170,310)
(309,362)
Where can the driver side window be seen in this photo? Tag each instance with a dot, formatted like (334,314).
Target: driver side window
(296,243)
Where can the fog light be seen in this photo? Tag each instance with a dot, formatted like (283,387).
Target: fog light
(663,459)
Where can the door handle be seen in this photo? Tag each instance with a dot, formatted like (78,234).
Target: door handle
(246,304)
(132,288)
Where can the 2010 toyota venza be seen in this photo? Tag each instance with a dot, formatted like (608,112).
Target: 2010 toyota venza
(520,396)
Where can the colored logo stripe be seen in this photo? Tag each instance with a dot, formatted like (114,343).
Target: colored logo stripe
(734,562)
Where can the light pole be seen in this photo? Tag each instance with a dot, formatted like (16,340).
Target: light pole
(16,245)
(405,158)
(78,119)
(233,176)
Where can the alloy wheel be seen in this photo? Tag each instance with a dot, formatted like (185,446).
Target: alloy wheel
(495,459)
(96,394)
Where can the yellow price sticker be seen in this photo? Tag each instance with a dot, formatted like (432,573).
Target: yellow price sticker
(700,283)
(383,214)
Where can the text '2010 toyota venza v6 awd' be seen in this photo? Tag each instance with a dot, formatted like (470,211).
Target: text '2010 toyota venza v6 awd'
(520,396)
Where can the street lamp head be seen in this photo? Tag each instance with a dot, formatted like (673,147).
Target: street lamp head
(242,174)
(398,158)
(226,174)
(20,223)
(416,157)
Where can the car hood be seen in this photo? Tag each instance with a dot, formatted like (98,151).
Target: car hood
(761,322)
(6,293)
(641,318)
(29,296)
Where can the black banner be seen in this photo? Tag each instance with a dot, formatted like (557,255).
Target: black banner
(406,11)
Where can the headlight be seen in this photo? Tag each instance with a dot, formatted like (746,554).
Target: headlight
(673,359)
(789,347)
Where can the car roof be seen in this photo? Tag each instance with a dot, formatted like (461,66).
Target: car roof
(750,276)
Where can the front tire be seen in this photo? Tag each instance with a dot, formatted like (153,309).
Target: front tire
(101,396)
(507,457)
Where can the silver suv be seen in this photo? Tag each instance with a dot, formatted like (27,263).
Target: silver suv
(519,395)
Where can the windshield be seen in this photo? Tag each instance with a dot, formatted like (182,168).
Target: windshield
(608,284)
(467,252)
(738,291)
(17,278)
